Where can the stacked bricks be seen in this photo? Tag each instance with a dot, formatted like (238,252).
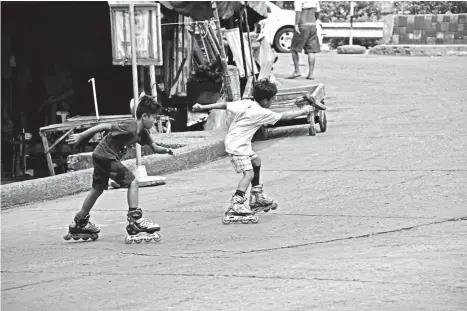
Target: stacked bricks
(430,29)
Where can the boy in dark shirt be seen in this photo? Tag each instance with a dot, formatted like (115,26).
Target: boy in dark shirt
(107,165)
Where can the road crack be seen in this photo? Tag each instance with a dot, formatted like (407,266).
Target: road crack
(354,237)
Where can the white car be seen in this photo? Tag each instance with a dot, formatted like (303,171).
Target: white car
(278,28)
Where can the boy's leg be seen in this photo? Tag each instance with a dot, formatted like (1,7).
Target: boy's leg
(81,226)
(241,164)
(258,200)
(133,194)
(136,223)
(90,200)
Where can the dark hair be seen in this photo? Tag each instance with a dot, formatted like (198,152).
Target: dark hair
(264,89)
(147,104)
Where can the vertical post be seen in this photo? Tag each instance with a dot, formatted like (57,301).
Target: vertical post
(225,71)
(242,41)
(249,42)
(352,5)
(93,81)
(134,68)
(152,80)
(48,156)
(219,37)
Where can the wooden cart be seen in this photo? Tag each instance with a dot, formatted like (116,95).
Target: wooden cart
(72,124)
(295,98)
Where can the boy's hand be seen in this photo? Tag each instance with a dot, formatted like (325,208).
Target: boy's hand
(74,139)
(197,107)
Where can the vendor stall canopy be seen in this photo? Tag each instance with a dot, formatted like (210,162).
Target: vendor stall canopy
(202,10)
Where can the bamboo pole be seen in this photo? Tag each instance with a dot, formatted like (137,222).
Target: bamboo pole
(224,67)
(249,42)
(242,41)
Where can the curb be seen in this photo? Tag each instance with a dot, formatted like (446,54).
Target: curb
(54,187)
(420,50)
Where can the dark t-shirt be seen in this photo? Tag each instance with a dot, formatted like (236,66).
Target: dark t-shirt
(121,136)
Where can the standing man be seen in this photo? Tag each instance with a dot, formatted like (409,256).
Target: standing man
(305,36)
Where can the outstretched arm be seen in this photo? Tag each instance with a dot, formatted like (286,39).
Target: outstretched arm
(157,149)
(77,138)
(198,107)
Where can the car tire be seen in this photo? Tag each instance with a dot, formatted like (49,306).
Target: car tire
(283,39)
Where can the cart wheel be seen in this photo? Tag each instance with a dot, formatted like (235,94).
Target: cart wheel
(312,130)
(264,132)
(322,121)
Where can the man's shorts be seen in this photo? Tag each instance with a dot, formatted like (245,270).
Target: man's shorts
(307,40)
(242,163)
(113,169)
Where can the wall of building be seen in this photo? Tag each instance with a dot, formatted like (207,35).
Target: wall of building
(430,29)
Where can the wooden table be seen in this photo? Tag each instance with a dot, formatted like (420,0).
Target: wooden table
(71,125)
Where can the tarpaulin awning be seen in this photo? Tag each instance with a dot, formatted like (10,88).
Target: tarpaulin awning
(202,10)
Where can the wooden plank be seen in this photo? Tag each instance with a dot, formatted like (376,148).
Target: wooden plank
(59,140)
(83,122)
(48,157)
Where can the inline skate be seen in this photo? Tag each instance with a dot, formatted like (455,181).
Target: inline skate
(238,212)
(82,228)
(140,229)
(259,202)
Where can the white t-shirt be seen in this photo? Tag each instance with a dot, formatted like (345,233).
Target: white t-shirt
(306,4)
(249,117)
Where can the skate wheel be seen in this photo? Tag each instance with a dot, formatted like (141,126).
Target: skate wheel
(85,238)
(67,237)
(128,240)
(225,221)
(267,210)
(76,238)
(94,237)
(157,238)
(245,221)
(147,240)
(255,220)
(138,241)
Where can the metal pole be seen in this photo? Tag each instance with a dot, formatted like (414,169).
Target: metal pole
(352,5)
(93,81)
(134,68)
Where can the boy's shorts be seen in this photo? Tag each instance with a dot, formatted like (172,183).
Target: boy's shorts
(113,169)
(242,163)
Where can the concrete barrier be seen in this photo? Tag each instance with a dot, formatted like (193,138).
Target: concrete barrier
(351,49)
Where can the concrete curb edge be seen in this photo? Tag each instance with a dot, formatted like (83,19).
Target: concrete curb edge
(50,188)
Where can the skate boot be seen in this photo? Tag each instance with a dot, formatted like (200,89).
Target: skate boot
(238,212)
(82,228)
(259,201)
(140,229)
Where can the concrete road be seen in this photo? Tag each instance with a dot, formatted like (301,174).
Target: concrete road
(370,214)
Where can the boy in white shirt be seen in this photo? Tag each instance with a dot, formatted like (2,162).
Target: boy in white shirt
(249,117)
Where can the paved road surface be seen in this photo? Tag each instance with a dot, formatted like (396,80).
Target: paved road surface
(368,219)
